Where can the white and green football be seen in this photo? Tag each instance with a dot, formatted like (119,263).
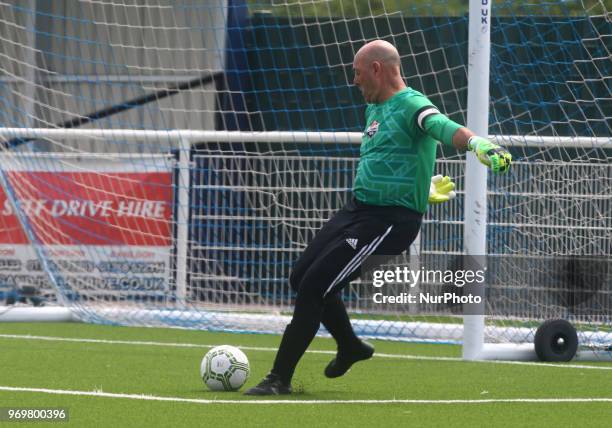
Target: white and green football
(224,368)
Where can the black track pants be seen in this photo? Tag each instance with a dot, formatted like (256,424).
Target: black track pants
(329,263)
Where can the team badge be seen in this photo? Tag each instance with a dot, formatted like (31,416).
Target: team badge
(372,129)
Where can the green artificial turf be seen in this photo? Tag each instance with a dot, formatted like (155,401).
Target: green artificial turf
(172,371)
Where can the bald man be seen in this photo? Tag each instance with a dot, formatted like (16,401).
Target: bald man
(390,196)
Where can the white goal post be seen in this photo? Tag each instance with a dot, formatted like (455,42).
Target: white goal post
(513,339)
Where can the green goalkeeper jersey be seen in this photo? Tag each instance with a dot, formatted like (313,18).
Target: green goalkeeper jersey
(396,157)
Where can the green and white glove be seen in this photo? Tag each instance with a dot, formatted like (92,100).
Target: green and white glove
(495,157)
(441,189)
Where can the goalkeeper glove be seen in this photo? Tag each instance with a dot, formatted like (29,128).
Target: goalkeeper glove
(441,189)
(495,157)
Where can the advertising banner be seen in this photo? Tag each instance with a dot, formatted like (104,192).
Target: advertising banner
(97,226)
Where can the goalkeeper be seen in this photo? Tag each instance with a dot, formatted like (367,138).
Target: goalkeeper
(383,217)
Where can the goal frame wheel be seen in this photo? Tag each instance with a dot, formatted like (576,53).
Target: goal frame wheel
(556,341)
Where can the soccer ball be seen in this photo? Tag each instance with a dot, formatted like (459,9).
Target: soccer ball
(224,368)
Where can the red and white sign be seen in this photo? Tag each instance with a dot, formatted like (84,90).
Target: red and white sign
(102,227)
(89,208)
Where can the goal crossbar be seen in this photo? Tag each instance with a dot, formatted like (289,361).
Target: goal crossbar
(274,137)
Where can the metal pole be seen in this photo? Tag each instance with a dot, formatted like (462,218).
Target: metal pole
(182,232)
(475,207)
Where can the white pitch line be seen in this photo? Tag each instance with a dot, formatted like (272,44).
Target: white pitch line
(314,351)
(145,397)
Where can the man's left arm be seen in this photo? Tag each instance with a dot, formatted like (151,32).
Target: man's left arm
(440,127)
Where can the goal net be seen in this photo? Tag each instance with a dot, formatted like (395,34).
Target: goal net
(165,163)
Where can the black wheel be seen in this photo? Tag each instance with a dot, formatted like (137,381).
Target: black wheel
(556,340)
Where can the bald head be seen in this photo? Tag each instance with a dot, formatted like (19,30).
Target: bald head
(377,71)
(379,50)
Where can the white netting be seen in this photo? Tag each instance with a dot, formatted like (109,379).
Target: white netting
(172,235)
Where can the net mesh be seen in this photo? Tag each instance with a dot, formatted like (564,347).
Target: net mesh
(122,230)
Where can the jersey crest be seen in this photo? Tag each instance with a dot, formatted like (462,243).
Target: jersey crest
(372,129)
